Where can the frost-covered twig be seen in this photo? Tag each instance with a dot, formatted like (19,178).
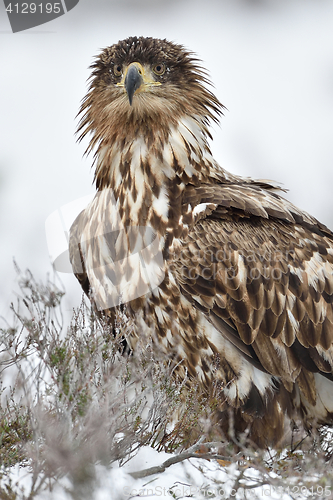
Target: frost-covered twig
(193,452)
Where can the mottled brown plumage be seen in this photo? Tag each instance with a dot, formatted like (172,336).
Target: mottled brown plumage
(245,302)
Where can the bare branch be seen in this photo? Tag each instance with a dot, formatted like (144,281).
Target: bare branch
(175,460)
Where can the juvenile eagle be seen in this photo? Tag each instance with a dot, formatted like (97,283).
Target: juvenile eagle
(243,294)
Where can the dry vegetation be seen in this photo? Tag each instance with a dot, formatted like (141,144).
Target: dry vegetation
(71,399)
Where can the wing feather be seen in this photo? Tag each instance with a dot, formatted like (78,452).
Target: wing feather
(265,269)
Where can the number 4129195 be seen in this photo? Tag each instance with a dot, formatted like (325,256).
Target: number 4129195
(34,8)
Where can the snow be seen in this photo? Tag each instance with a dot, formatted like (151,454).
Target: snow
(270,62)
(196,478)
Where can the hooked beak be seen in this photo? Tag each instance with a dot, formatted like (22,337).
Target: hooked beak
(137,78)
(133,80)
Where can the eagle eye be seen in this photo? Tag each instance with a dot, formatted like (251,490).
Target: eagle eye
(118,69)
(159,69)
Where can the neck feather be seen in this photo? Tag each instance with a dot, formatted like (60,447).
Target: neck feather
(149,172)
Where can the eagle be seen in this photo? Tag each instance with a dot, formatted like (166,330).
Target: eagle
(230,280)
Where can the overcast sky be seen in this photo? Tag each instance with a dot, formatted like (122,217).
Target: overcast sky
(271,62)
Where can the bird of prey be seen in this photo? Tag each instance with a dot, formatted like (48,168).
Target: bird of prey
(243,294)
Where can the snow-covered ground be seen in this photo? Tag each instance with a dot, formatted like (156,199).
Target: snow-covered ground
(193,478)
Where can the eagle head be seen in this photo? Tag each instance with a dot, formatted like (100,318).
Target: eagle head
(145,86)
